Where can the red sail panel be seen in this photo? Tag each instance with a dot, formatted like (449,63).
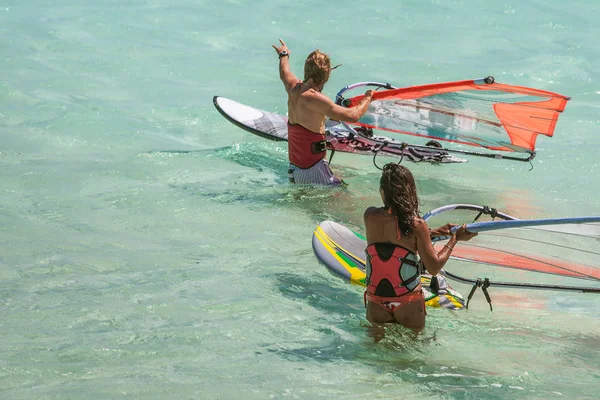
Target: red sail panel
(547,265)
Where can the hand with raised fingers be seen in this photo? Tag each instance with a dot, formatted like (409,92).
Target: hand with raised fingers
(282,48)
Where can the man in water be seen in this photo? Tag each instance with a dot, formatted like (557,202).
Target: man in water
(307,110)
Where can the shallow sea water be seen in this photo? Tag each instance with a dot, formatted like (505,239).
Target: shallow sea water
(150,249)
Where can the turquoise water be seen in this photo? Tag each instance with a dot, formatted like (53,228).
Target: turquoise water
(150,249)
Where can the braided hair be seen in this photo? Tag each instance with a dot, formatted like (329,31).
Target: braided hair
(400,195)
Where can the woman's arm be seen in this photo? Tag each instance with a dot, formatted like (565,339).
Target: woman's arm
(444,230)
(433,261)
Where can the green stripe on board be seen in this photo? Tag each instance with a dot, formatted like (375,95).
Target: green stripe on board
(348,260)
(359,235)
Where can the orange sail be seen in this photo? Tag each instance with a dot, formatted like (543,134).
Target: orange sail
(474,112)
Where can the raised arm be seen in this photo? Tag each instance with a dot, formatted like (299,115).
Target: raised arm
(287,77)
(433,261)
(325,105)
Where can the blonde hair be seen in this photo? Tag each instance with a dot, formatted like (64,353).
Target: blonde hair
(318,67)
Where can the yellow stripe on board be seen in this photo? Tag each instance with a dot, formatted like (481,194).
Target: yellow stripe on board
(434,303)
(333,244)
(456,303)
(356,274)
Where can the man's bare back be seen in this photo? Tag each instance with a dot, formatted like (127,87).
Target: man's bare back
(300,99)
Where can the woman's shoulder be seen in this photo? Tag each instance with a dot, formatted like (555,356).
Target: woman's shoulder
(375,211)
(420,224)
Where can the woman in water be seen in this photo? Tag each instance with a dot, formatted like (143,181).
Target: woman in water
(395,235)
